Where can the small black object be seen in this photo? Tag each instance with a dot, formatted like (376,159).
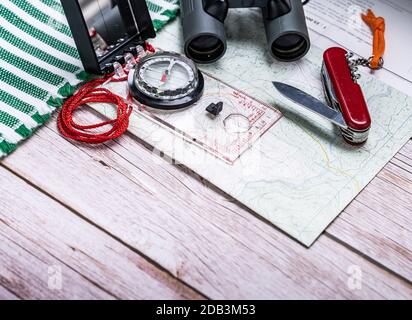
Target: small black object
(108,68)
(120,59)
(215,108)
(103,30)
(132,50)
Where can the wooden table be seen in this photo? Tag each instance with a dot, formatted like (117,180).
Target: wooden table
(117,222)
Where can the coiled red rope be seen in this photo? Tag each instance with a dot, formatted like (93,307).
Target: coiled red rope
(91,93)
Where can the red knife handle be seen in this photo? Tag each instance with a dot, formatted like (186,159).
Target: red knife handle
(348,93)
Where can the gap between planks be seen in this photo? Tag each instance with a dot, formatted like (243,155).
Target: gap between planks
(45,234)
(6,294)
(78,214)
(242,231)
(355,227)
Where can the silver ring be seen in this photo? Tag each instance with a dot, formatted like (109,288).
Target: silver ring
(380,63)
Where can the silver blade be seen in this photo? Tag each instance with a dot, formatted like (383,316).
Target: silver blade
(310,103)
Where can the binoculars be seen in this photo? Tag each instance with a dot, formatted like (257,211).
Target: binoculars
(204,32)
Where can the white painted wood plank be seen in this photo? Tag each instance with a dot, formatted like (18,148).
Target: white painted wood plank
(7,295)
(39,275)
(379,222)
(375,235)
(198,235)
(407,149)
(384,233)
(37,233)
(396,172)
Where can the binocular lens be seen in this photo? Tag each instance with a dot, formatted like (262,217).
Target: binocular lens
(205,48)
(289,47)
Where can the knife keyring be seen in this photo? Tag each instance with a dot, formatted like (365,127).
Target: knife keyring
(346,104)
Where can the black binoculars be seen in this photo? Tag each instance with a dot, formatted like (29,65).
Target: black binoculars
(204,32)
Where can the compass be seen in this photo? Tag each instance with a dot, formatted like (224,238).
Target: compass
(167,81)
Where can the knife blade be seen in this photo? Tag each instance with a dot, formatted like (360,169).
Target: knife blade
(311,103)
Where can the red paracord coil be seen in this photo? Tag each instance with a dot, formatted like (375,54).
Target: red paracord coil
(90,93)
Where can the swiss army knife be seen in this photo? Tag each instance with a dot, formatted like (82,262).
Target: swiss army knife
(346,107)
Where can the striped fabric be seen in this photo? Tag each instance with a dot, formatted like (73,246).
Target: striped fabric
(162,11)
(39,63)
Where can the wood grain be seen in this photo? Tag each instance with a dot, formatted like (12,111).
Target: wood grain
(39,236)
(407,151)
(5,294)
(200,236)
(378,223)
(379,227)
(25,272)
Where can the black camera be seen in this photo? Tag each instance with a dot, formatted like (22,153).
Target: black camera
(204,32)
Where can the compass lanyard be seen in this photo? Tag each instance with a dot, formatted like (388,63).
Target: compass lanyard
(91,92)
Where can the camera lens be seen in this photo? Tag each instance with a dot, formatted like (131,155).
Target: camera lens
(289,47)
(205,48)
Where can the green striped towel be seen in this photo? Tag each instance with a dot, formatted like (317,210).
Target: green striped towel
(39,63)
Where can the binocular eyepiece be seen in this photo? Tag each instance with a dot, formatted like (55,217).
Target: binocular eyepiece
(205,37)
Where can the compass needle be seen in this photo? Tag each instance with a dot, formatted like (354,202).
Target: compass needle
(166,80)
(168,71)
